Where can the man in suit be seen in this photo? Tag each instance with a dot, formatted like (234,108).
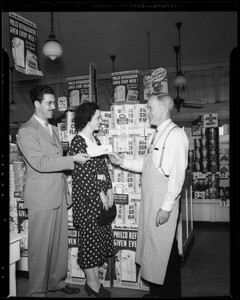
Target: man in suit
(45,197)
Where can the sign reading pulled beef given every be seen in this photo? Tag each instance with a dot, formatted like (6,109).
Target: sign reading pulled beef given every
(23,39)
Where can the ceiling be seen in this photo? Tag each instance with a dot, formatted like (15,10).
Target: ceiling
(206,37)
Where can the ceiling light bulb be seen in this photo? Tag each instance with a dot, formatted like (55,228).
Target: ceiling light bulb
(180,80)
(52,49)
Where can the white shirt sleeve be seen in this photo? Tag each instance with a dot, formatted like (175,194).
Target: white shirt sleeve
(135,165)
(176,160)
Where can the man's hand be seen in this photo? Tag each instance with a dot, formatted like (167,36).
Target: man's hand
(69,200)
(81,158)
(115,158)
(162,217)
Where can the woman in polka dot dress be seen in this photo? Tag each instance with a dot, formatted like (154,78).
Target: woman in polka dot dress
(91,185)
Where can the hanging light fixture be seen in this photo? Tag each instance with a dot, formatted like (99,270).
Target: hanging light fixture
(52,48)
(13,105)
(113,60)
(180,79)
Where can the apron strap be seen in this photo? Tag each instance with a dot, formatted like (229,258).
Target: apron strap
(163,148)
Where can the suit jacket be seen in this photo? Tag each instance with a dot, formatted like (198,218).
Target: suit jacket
(46,184)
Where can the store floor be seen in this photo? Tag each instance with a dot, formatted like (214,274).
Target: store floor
(206,272)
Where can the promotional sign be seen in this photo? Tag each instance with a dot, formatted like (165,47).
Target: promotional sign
(126,272)
(78,90)
(23,39)
(125,85)
(155,82)
(210,120)
(93,83)
(75,274)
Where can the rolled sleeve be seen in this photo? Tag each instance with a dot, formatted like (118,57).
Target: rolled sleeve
(177,158)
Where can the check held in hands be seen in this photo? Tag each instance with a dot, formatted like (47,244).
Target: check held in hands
(115,158)
(81,158)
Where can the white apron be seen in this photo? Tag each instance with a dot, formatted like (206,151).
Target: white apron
(154,243)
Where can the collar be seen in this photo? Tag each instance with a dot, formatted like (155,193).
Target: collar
(41,121)
(87,140)
(162,126)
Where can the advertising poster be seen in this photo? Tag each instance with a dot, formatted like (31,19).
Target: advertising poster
(23,39)
(93,83)
(155,82)
(125,271)
(75,274)
(78,90)
(125,86)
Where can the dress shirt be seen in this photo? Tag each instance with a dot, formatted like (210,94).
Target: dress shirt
(42,122)
(174,161)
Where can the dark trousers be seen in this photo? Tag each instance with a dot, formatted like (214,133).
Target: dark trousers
(172,283)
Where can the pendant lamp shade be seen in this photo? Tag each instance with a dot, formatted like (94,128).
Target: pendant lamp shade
(180,80)
(52,48)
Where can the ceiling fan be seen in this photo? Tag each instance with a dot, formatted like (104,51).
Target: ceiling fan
(180,79)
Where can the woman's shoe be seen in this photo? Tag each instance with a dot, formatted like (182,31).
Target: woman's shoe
(107,292)
(101,294)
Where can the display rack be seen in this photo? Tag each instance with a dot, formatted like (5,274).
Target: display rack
(185,232)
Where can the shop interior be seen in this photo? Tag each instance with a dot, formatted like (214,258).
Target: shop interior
(197,50)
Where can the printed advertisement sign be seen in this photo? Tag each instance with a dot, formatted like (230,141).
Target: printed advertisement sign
(23,39)
(155,82)
(210,120)
(78,90)
(125,271)
(125,86)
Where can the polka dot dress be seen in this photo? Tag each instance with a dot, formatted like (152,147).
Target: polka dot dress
(96,242)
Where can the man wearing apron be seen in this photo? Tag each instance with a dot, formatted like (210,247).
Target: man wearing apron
(163,174)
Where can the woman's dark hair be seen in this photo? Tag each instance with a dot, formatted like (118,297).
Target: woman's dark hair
(37,93)
(84,114)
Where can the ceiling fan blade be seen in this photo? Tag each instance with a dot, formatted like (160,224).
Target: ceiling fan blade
(192,105)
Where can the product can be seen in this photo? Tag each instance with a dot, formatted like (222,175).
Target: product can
(213,154)
(213,180)
(213,165)
(226,192)
(197,166)
(204,142)
(205,165)
(191,155)
(222,193)
(207,193)
(204,132)
(197,153)
(191,166)
(205,153)
(211,193)
(212,143)
(213,132)
(197,143)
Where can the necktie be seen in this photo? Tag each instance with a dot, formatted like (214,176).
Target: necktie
(154,135)
(47,128)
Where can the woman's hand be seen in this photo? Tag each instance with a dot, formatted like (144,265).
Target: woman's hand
(104,200)
(110,197)
(115,158)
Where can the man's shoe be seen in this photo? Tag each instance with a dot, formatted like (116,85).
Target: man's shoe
(70,290)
